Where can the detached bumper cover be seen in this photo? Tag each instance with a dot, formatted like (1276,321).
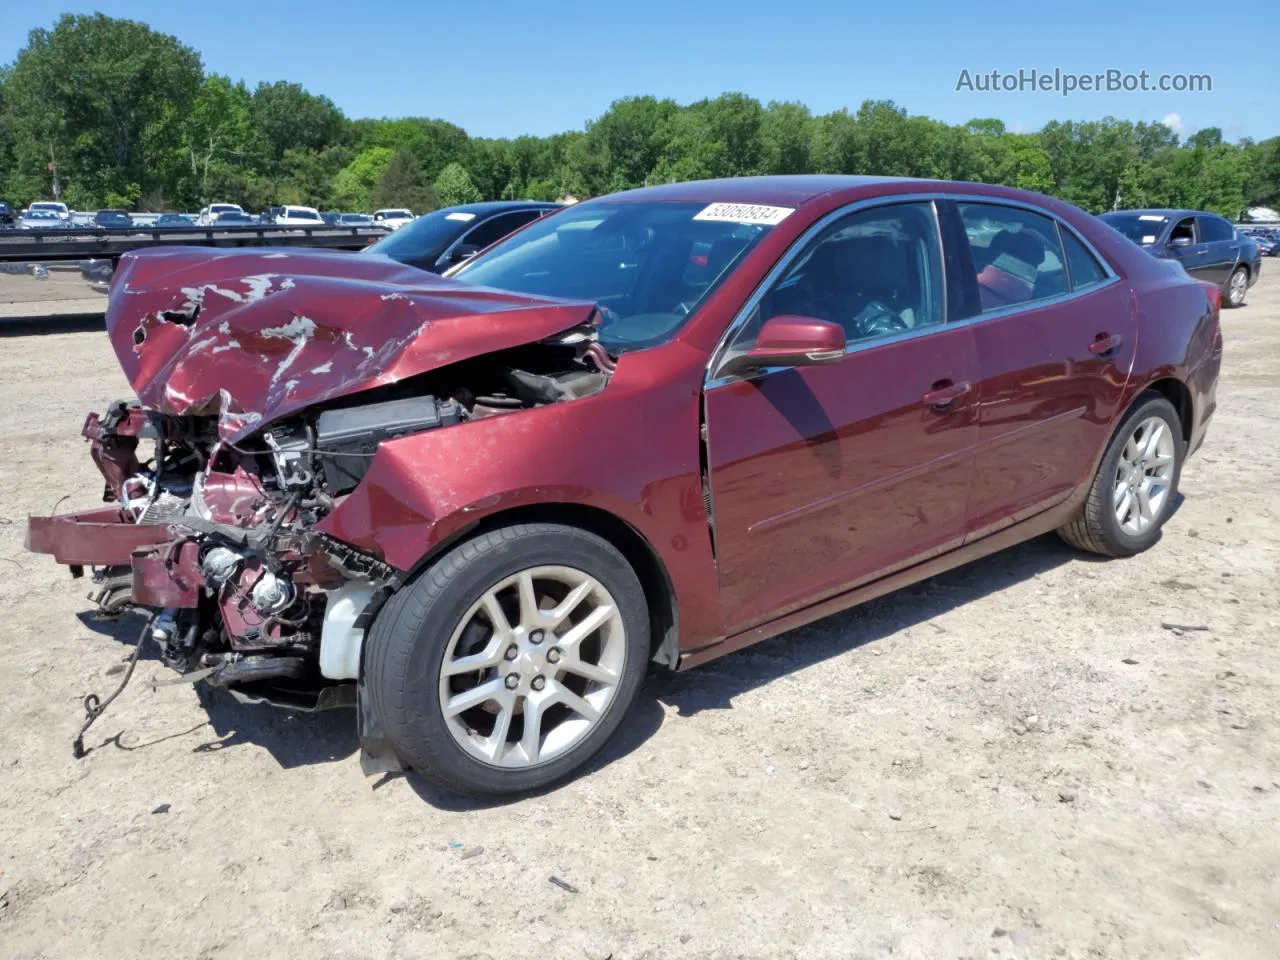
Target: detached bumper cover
(96,538)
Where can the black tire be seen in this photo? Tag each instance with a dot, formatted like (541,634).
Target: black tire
(407,642)
(1229,297)
(1096,528)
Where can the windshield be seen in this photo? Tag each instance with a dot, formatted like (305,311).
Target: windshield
(423,240)
(647,265)
(395,214)
(1143,229)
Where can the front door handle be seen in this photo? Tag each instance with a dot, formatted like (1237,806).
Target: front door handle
(1105,344)
(944,395)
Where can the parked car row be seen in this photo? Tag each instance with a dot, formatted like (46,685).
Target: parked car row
(1267,239)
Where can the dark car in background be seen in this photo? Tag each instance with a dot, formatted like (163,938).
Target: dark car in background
(443,238)
(6,215)
(353,219)
(112,220)
(1208,246)
(173,220)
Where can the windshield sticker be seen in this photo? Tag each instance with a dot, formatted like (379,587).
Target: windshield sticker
(1149,238)
(460,215)
(1152,216)
(755,213)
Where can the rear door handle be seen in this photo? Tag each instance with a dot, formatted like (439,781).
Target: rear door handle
(944,395)
(1106,344)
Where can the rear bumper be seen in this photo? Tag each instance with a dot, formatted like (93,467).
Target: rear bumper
(95,538)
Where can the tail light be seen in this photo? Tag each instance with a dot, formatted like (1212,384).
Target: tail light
(1215,295)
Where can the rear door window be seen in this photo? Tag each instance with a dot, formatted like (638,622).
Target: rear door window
(1081,264)
(1215,229)
(1016,255)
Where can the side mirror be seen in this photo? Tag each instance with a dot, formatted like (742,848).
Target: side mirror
(1179,242)
(790,341)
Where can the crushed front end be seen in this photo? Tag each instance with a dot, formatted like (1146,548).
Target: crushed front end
(267,386)
(216,540)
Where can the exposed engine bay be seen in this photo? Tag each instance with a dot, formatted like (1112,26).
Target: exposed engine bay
(248,596)
(267,385)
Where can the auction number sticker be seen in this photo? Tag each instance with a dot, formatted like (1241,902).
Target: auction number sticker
(460,215)
(1152,216)
(756,213)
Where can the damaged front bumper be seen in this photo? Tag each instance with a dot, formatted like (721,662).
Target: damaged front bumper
(95,538)
(159,568)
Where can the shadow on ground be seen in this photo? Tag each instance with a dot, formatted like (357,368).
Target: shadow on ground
(714,686)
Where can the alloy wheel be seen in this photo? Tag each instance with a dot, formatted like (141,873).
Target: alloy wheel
(1239,284)
(1144,476)
(532,666)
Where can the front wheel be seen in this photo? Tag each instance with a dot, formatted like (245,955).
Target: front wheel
(510,660)
(1237,287)
(1136,485)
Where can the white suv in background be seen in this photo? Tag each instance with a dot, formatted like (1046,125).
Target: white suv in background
(299,217)
(51,206)
(210,213)
(393,218)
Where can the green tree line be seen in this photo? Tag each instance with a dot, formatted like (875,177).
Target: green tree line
(127,117)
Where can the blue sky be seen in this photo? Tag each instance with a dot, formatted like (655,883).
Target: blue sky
(502,68)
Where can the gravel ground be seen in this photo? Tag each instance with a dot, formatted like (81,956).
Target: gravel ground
(61,291)
(1015,758)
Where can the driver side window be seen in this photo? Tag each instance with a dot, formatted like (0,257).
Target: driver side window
(876,273)
(1184,229)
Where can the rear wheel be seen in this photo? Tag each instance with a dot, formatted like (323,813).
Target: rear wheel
(1136,485)
(1237,287)
(511,660)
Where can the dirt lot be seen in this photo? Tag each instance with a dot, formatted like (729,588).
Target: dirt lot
(1012,759)
(59,291)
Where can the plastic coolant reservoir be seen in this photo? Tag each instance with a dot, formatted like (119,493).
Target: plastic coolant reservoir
(340,639)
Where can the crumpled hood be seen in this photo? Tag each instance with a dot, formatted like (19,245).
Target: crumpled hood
(254,335)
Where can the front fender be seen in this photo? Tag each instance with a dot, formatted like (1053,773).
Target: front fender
(631,450)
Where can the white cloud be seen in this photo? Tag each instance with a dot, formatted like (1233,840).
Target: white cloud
(1173,122)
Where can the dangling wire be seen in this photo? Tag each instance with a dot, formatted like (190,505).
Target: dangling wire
(94,708)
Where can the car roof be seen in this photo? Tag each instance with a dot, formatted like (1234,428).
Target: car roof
(500,206)
(789,190)
(1168,212)
(800,189)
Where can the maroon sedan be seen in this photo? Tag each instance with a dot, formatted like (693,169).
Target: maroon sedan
(657,426)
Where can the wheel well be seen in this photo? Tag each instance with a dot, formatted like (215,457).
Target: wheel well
(1176,392)
(658,589)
